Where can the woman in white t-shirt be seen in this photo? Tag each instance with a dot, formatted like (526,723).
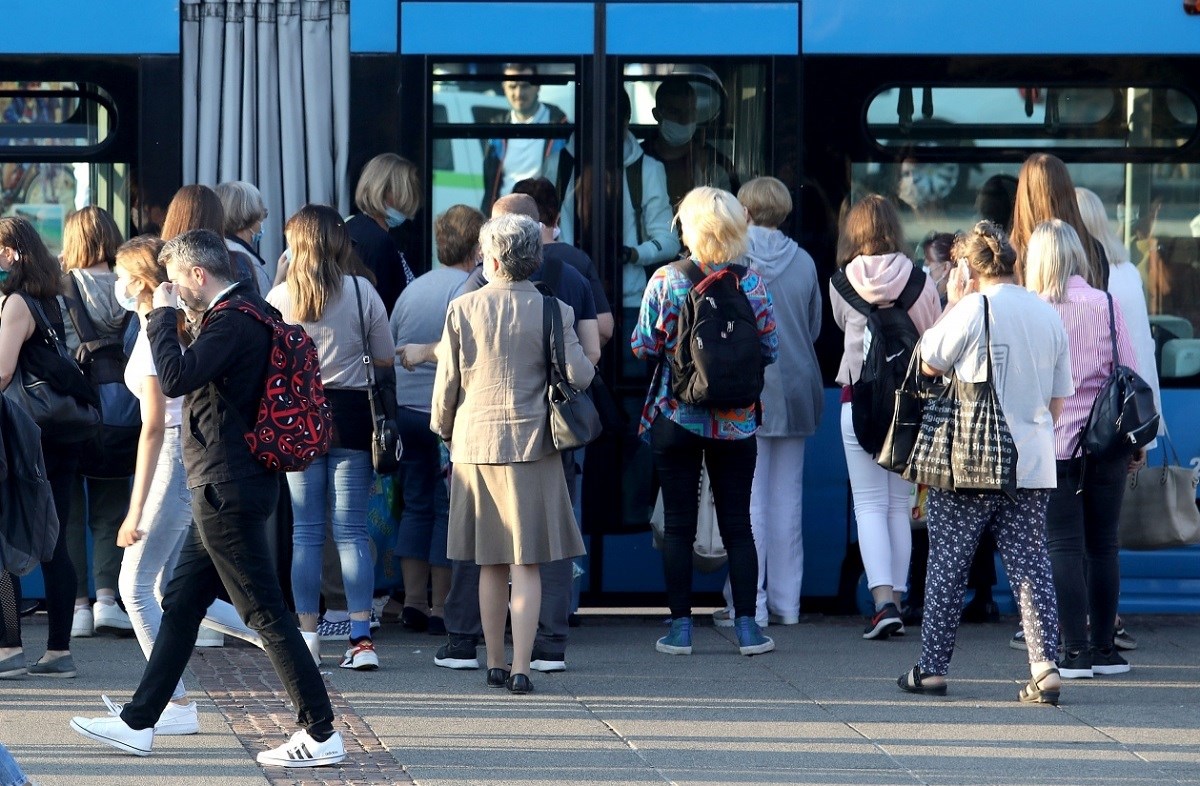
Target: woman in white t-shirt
(159,520)
(1031,372)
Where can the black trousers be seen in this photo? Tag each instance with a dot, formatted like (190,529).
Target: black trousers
(678,454)
(228,546)
(1081,533)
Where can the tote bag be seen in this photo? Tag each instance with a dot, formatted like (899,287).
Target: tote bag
(1159,509)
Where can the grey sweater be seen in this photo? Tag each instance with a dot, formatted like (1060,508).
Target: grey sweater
(419,318)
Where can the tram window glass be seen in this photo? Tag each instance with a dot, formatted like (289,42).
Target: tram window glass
(484,134)
(1031,117)
(46,193)
(37,115)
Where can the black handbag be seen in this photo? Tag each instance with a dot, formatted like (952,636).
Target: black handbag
(901,437)
(386,448)
(1123,417)
(574,421)
(56,395)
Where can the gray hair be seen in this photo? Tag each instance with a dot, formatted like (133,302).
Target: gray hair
(515,240)
(243,205)
(201,248)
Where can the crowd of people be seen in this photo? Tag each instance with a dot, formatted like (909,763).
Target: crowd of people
(487,532)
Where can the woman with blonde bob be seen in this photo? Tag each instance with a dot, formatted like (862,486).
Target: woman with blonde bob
(334,308)
(682,436)
(388,194)
(1082,516)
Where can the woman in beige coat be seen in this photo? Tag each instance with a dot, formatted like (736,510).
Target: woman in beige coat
(509,508)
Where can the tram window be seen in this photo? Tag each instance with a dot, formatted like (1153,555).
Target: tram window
(1031,117)
(37,115)
(497,123)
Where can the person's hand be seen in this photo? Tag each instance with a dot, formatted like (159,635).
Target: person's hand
(960,284)
(166,296)
(407,356)
(129,534)
(1137,460)
(629,255)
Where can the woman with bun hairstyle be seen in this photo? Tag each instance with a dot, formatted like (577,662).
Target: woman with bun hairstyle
(871,253)
(1031,373)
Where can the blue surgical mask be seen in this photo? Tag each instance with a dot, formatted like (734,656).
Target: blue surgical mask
(257,237)
(676,134)
(123,297)
(3,275)
(394,217)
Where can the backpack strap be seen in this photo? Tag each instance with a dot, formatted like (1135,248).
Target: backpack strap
(1112,332)
(841,283)
(633,181)
(912,289)
(689,269)
(89,337)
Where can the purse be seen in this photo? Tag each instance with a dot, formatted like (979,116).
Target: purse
(573,419)
(62,416)
(1159,508)
(901,437)
(386,448)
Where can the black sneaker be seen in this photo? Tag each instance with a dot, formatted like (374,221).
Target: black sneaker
(1108,661)
(546,661)
(1123,639)
(1075,666)
(458,653)
(885,622)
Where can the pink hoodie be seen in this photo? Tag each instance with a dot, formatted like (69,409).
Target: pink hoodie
(879,280)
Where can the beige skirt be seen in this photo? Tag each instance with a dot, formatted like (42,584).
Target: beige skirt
(511,514)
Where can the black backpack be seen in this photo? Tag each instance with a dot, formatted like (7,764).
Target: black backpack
(112,453)
(893,336)
(1123,417)
(718,357)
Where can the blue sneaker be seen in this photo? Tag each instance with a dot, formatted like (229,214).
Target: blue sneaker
(751,640)
(679,640)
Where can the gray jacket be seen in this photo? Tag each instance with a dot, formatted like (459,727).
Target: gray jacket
(792,396)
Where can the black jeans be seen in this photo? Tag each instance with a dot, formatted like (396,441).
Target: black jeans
(677,457)
(1081,533)
(58,574)
(228,546)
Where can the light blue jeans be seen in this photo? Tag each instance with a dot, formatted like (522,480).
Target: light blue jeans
(336,485)
(147,565)
(10,771)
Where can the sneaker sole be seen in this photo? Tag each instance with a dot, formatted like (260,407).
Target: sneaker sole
(1125,644)
(176,729)
(457,663)
(669,649)
(62,675)
(112,630)
(548,666)
(122,746)
(82,634)
(292,764)
(757,649)
(1075,674)
(884,628)
(1120,668)
(1018,645)
(13,674)
(360,666)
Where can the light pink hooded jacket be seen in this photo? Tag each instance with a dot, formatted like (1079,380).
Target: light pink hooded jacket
(879,280)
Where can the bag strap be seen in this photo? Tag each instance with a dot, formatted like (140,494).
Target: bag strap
(80,319)
(987,336)
(1112,331)
(841,282)
(367,360)
(912,289)
(690,269)
(49,334)
(552,327)
(633,181)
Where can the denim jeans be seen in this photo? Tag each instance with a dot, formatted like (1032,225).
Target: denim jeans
(1081,532)
(423,524)
(10,771)
(228,546)
(678,454)
(337,484)
(147,565)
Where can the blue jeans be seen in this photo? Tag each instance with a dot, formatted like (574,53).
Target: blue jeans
(423,524)
(10,771)
(340,484)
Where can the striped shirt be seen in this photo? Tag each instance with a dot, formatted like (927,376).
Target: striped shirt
(1085,316)
(656,335)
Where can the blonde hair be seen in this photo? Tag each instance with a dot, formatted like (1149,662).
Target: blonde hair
(388,180)
(871,227)
(713,224)
(90,237)
(139,258)
(242,203)
(767,201)
(1095,221)
(986,250)
(321,255)
(1045,191)
(1053,256)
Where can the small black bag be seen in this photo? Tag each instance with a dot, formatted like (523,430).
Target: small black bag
(386,448)
(901,437)
(1123,418)
(574,421)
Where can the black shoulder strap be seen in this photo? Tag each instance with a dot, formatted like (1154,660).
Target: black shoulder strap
(844,288)
(912,290)
(689,269)
(633,181)
(80,320)
(1112,332)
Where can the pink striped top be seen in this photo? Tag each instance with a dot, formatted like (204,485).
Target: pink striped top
(1085,317)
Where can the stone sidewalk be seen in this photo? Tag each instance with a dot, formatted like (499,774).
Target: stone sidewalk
(823,709)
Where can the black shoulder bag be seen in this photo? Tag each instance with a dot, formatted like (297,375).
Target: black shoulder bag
(385,435)
(574,421)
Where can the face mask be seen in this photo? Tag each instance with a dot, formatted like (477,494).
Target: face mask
(257,237)
(123,297)
(394,217)
(676,134)
(3,275)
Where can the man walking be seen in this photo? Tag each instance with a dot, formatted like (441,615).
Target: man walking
(222,376)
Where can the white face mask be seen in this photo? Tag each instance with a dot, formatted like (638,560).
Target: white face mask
(676,134)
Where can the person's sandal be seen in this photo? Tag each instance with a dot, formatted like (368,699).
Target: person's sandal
(916,686)
(1033,693)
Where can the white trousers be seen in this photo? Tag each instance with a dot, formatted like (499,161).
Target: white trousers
(776,517)
(881,507)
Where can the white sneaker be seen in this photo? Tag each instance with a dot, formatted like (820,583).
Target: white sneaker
(723,618)
(82,625)
(245,634)
(313,640)
(111,619)
(303,751)
(207,637)
(176,720)
(361,657)
(113,731)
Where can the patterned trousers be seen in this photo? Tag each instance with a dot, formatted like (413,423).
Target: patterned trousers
(956,520)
